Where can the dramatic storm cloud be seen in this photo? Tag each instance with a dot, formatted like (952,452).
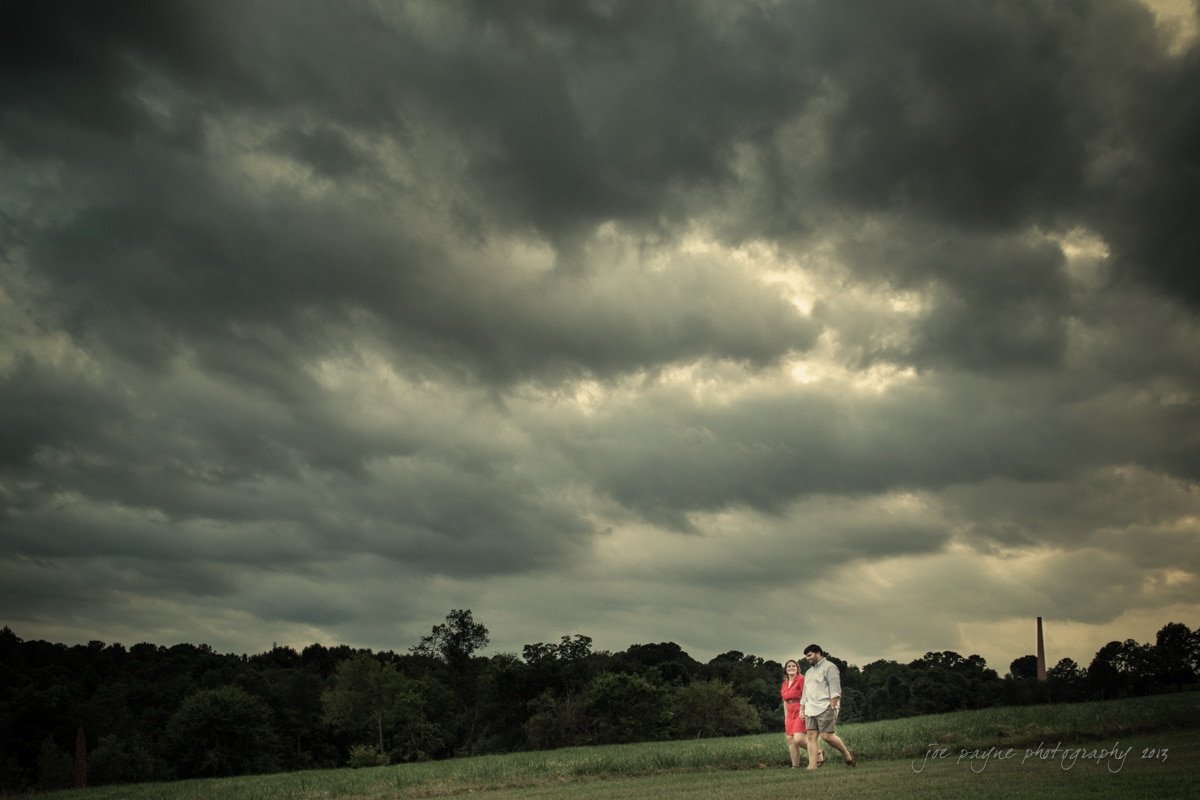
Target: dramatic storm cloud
(739,325)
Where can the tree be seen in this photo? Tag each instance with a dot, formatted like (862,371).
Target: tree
(367,694)
(120,759)
(1132,658)
(946,681)
(710,708)
(937,690)
(55,770)
(563,667)
(625,708)
(220,732)
(454,641)
(751,677)
(1066,680)
(1103,679)
(1175,656)
(1065,670)
(946,659)
(557,721)
(454,644)
(503,705)
(1121,668)
(1024,667)
(294,695)
(666,659)
(887,689)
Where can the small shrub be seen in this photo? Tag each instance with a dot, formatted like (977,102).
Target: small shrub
(365,755)
(56,770)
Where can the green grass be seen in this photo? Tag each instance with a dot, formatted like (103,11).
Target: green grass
(893,757)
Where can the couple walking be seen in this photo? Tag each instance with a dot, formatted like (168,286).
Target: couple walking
(810,708)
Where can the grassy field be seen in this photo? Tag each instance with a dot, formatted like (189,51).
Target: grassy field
(1127,749)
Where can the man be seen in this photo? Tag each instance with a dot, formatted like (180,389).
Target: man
(822,697)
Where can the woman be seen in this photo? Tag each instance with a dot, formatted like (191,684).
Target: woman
(793,713)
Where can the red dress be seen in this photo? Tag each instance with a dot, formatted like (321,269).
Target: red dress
(794,709)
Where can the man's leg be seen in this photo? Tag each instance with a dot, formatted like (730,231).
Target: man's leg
(836,743)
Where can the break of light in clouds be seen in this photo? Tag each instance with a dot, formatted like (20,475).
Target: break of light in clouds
(734,325)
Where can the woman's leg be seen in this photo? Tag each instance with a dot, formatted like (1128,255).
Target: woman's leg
(814,750)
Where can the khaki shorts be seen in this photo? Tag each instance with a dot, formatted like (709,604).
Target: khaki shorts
(825,722)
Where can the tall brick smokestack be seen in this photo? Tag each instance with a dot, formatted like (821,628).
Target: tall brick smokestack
(1041,654)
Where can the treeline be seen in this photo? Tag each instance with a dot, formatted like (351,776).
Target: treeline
(160,713)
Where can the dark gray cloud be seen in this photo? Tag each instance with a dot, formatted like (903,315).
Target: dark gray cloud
(672,457)
(308,310)
(979,113)
(993,302)
(68,71)
(44,410)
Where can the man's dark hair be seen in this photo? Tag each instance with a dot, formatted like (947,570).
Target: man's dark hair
(814,648)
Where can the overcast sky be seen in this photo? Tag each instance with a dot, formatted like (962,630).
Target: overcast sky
(737,325)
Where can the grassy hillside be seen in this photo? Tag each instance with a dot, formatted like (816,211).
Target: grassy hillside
(1112,749)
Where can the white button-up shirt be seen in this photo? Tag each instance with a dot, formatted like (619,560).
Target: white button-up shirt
(822,683)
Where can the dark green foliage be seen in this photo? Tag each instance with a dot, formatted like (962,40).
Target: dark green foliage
(450,651)
(455,641)
(1024,667)
(614,707)
(667,660)
(55,768)
(710,708)
(1122,669)
(754,679)
(557,721)
(118,759)
(1067,682)
(625,708)
(222,731)
(1176,655)
(946,681)
(365,755)
(374,702)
